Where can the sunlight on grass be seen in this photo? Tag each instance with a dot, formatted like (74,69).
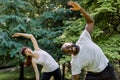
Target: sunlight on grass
(11,75)
(14,75)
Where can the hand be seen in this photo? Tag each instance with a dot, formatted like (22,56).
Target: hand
(75,6)
(16,35)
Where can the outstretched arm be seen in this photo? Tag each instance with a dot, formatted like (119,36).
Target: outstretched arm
(75,77)
(90,22)
(36,70)
(30,36)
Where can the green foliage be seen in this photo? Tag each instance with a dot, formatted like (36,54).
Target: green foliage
(54,19)
(72,31)
(20,16)
(17,7)
(52,23)
(64,59)
(12,20)
(106,15)
(111,47)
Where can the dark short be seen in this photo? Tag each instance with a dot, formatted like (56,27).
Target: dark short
(56,74)
(107,74)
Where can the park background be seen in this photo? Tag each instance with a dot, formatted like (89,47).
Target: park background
(52,23)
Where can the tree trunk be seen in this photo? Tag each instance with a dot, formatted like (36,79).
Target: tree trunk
(63,70)
(21,74)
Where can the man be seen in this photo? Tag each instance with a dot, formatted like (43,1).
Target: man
(86,54)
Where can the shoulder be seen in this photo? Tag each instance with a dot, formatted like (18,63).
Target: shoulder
(85,34)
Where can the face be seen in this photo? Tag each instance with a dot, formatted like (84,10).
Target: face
(28,52)
(68,49)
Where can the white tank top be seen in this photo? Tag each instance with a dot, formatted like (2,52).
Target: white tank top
(46,60)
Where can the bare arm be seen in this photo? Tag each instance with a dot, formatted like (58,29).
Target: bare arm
(36,70)
(90,21)
(75,77)
(30,36)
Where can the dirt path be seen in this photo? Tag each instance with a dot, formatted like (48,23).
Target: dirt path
(8,69)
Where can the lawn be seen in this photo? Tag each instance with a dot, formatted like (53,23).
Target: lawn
(14,75)
(9,75)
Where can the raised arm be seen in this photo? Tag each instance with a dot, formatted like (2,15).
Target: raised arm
(30,36)
(36,70)
(90,22)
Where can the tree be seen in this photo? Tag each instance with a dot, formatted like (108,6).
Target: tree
(52,23)
(24,16)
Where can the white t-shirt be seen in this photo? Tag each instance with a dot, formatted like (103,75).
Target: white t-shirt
(46,60)
(90,56)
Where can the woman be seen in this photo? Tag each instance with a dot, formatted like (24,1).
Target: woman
(39,56)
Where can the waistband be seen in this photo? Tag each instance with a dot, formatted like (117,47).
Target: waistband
(97,73)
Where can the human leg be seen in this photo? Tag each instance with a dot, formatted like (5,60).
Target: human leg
(46,76)
(57,74)
(92,76)
(109,73)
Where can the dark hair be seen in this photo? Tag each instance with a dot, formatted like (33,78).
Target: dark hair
(23,51)
(77,48)
(64,46)
(28,58)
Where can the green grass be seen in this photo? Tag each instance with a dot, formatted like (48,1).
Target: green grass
(14,75)
(9,75)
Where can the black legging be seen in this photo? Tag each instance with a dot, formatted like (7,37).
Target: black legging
(107,74)
(56,74)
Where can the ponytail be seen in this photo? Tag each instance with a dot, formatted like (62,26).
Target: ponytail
(28,58)
(28,61)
